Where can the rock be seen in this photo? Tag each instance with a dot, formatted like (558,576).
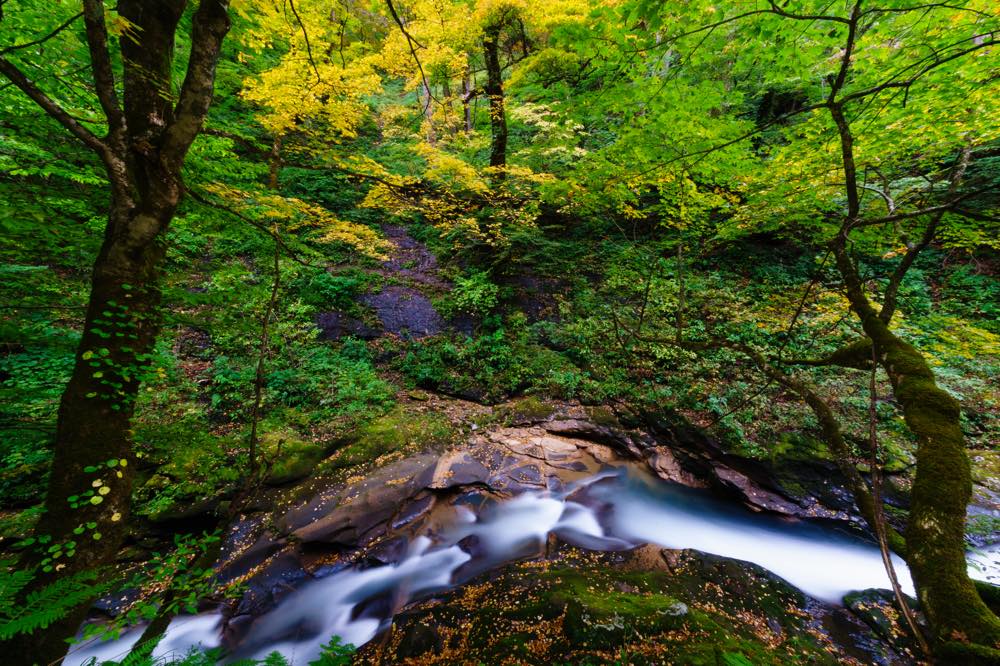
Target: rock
(334,325)
(662,461)
(405,311)
(880,611)
(754,494)
(345,518)
(417,508)
(527,411)
(580,429)
(628,607)
(244,561)
(458,469)
(677,609)
(282,574)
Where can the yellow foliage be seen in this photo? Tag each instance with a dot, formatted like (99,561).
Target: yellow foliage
(288,214)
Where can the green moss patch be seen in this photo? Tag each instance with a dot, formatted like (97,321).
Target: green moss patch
(597,608)
(400,430)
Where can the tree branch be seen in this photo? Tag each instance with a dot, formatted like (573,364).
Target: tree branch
(42,40)
(410,41)
(305,34)
(104,76)
(53,109)
(209,27)
(292,254)
(892,290)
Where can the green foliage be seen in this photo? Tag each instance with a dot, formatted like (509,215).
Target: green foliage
(632,178)
(172,583)
(473,294)
(332,292)
(41,607)
(334,653)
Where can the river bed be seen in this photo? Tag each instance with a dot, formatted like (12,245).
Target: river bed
(613,510)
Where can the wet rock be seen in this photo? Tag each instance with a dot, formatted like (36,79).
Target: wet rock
(362,512)
(581,607)
(281,575)
(880,611)
(246,560)
(404,311)
(591,431)
(417,508)
(334,325)
(236,628)
(754,494)
(459,469)
(389,551)
(662,461)
(114,604)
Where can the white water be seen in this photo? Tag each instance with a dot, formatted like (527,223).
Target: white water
(627,510)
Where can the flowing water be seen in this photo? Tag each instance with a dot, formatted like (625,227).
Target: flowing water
(613,510)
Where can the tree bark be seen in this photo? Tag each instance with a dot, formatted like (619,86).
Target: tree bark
(148,137)
(467,94)
(942,486)
(494,91)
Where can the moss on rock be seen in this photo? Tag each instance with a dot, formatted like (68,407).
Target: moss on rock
(531,409)
(289,456)
(400,430)
(598,608)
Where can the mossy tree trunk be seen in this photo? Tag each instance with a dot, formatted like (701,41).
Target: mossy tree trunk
(942,487)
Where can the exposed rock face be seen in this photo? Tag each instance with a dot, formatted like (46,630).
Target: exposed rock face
(405,311)
(334,325)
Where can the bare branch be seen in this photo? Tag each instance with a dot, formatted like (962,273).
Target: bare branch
(775,9)
(410,41)
(305,34)
(892,290)
(892,83)
(292,254)
(927,6)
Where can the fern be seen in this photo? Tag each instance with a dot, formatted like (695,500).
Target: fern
(41,607)
(11,584)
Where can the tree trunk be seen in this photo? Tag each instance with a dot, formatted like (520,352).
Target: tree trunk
(942,487)
(494,91)
(467,101)
(428,108)
(149,134)
(93,446)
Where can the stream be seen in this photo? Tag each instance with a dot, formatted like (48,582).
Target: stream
(613,510)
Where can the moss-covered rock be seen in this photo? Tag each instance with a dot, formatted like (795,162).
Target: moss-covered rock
(289,457)
(879,610)
(531,409)
(642,607)
(186,469)
(399,431)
